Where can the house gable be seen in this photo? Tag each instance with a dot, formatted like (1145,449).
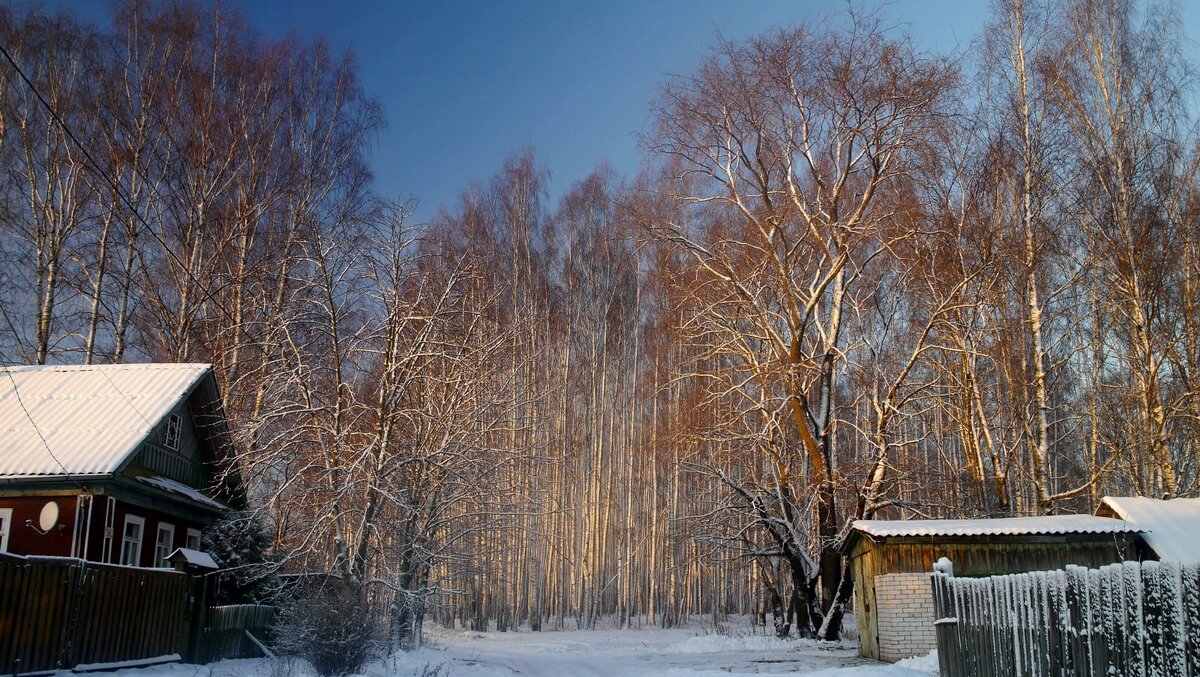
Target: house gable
(87,420)
(173,449)
(117,425)
(188,447)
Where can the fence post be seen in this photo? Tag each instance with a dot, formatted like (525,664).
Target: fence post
(191,631)
(75,572)
(945,624)
(1191,615)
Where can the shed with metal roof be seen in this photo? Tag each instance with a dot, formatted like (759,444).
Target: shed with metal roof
(1170,527)
(891,561)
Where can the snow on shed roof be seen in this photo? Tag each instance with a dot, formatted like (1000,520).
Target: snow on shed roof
(197,558)
(1004,526)
(92,417)
(1171,528)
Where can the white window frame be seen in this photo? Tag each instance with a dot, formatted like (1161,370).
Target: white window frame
(173,432)
(193,538)
(125,540)
(161,554)
(5,527)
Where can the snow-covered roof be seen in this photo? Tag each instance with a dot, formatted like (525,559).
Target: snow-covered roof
(1004,526)
(1171,528)
(91,417)
(181,489)
(197,558)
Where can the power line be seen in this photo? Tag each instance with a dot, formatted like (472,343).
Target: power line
(36,429)
(104,373)
(208,295)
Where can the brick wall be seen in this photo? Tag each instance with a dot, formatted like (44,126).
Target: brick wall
(904,615)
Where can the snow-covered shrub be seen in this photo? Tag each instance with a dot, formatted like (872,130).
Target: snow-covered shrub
(329,626)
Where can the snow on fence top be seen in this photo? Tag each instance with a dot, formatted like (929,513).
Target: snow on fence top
(91,417)
(1171,528)
(1005,526)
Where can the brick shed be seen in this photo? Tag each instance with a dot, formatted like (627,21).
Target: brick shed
(891,562)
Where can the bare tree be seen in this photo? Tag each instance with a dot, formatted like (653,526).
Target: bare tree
(788,147)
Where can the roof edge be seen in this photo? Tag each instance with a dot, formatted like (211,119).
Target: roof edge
(206,373)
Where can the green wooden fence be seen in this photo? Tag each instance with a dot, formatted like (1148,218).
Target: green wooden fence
(237,631)
(61,613)
(1123,619)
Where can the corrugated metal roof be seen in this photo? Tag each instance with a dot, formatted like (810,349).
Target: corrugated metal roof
(1171,528)
(92,417)
(1005,526)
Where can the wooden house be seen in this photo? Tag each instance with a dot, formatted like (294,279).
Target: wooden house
(112,463)
(891,563)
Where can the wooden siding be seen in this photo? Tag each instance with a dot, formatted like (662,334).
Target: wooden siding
(986,557)
(23,539)
(170,464)
(184,464)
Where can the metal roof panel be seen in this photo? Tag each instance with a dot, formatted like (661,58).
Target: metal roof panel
(1005,526)
(91,417)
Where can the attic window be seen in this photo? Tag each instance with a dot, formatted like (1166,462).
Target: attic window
(171,434)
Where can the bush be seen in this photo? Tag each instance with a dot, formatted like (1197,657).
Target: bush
(329,626)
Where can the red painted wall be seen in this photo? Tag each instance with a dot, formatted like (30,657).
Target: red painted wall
(97,550)
(24,540)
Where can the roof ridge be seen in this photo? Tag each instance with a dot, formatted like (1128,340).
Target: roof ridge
(102,367)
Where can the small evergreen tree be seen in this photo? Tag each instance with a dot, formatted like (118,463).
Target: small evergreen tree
(241,545)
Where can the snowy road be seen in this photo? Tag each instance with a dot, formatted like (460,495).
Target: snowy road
(632,653)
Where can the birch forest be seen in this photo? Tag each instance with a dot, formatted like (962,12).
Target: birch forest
(852,278)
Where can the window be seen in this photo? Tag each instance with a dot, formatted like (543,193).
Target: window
(193,539)
(5,527)
(131,541)
(162,545)
(170,436)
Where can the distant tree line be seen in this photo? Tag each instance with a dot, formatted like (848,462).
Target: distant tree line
(853,279)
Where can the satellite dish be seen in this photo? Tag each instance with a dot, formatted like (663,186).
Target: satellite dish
(49,517)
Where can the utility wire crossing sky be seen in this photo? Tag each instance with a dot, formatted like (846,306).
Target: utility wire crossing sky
(465,84)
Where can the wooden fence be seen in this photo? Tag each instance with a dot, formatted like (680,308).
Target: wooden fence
(1126,619)
(236,631)
(61,613)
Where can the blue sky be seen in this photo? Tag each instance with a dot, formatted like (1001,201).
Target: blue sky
(464,84)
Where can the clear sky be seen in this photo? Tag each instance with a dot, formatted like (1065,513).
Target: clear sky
(465,83)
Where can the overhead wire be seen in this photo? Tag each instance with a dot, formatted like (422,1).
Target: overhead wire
(208,295)
(38,431)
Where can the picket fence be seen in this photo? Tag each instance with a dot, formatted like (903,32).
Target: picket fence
(1124,619)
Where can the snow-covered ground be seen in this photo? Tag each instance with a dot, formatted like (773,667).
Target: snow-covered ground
(677,652)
